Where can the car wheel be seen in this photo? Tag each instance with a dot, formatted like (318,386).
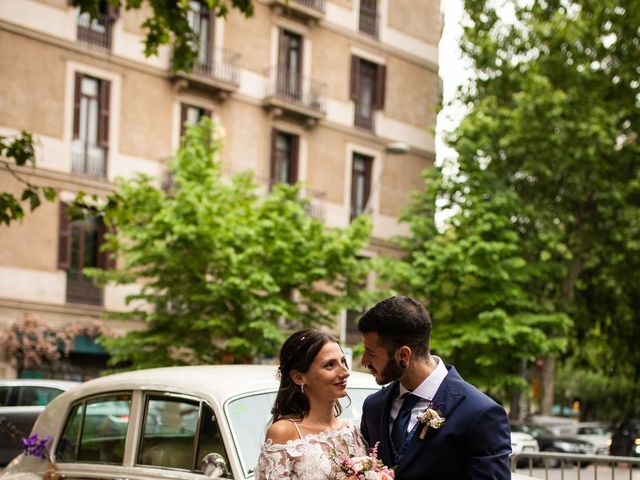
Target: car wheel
(551,462)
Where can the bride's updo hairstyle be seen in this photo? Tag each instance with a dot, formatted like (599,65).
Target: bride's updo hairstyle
(298,353)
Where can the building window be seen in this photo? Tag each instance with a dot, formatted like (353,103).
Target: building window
(360,183)
(367,90)
(78,248)
(284,157)
(199,19)
(289,66)
(369,17)
(98,31)
(190,115)
(90,126)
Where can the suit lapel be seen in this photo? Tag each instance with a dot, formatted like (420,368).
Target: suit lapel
(385,451)
(446,400)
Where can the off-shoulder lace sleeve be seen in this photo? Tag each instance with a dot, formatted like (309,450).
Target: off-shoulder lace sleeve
(275,461)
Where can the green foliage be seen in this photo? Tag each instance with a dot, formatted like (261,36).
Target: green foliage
(543,242)
(221,267)
(482,292)
(168,24)
(602,396)
(556,116)
(19,150)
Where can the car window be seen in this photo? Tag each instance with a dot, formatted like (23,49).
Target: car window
(178,433)
(95,430)
(5,396)
(32,396)
(250,417)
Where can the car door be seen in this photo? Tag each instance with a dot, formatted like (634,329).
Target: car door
(138,435)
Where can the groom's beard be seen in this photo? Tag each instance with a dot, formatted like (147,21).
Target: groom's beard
(390,372)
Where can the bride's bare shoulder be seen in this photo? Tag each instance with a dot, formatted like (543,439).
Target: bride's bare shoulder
(282,431)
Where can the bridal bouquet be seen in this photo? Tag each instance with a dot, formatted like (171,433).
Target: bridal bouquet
(368,467)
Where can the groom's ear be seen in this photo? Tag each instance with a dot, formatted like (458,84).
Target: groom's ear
(403,354)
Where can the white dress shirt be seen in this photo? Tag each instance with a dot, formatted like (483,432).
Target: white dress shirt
(426,390)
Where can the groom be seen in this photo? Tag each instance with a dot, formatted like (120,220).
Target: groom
(473,442)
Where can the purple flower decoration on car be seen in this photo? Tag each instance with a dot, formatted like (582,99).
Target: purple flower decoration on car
(37,447)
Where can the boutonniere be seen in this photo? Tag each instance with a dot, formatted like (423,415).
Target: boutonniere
(430,418)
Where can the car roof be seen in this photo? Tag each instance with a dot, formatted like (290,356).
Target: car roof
(219,382)
(39,382)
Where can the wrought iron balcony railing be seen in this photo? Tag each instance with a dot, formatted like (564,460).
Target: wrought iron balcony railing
(304,92)
(97,31)
(80,289)
(88,159)
(315,4)
(221,64)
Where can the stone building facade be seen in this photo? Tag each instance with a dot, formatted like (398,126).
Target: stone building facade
(306,90)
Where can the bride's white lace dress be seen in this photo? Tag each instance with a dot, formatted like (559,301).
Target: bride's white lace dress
(309,457)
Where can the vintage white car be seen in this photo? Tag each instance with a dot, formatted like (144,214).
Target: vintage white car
(179,422)
(189,423)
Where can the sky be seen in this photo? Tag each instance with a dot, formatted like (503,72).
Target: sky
(452,70)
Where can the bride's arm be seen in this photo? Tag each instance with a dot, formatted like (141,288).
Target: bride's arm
(274,462)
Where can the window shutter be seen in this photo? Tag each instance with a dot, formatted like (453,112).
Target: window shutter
(183,118)
(64,239)
(355,78)
(283,48)
(76,106)
(103,120)
(378,100)
(293,172)
(274,139)
(367,178)
(105,260)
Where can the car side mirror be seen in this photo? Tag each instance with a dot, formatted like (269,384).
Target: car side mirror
(214,465)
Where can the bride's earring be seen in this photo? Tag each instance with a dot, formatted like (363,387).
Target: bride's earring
(302,388)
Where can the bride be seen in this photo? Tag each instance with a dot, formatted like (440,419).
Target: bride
(306,438)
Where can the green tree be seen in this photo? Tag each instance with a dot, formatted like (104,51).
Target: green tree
(550,148)
(554,115)
(221,267)
(488,320)
(18,151)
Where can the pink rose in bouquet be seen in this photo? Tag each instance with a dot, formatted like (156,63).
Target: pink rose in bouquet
(368,467)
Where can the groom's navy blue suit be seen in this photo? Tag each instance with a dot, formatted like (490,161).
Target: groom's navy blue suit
(474,442)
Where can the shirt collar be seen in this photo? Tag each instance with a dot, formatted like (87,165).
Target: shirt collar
(430,385)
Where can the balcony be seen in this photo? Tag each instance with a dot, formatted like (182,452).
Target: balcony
(316,205)
(295,95)
(307,10)
(219,74)
(81,289)
(88,159)
(368,22)
(97,31)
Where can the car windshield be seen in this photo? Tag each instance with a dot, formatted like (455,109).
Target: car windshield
(249,417)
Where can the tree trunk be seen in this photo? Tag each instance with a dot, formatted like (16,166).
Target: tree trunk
(548,382)
(515,410)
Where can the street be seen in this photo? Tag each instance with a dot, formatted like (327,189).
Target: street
(588,473)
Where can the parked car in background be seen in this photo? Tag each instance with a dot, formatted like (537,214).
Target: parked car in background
(21,401)
(625,440)
(522,442)
(551,442)
(597,433)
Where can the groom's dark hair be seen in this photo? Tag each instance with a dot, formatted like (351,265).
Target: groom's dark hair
(399,321)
